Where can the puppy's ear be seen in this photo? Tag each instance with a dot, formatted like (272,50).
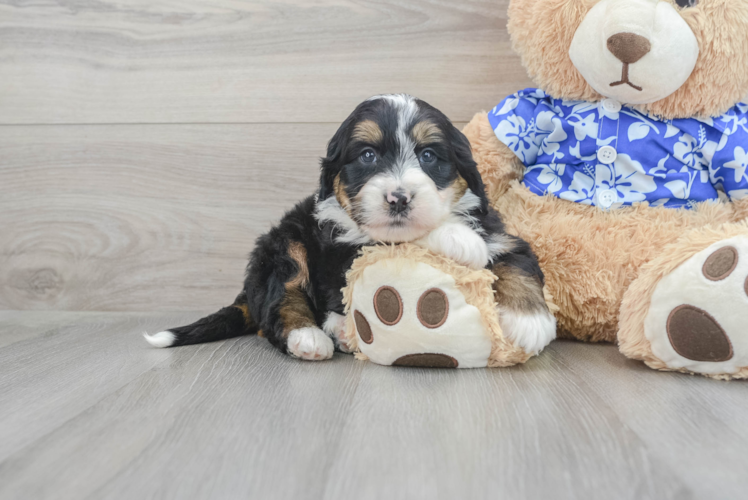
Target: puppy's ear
(466,166)
(333,162)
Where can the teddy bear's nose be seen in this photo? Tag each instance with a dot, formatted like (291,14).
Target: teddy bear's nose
(629,47)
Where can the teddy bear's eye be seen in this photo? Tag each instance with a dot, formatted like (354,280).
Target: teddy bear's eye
(687,3)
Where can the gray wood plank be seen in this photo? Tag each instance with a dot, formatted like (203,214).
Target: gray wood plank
(143,217)
(224,420)
(247,61)
(262,425)
(534,431)
(16,326)
(47,380)
(696,424)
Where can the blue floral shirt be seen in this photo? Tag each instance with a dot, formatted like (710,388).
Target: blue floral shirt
(608,155)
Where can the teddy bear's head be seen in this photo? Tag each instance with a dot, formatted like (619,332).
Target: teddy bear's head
(670,58)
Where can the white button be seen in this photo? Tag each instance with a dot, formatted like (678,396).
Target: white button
(607,198)
(607,155)
(612,105)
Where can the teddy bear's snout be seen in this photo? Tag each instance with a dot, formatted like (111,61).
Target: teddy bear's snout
(634,51)
(629,48)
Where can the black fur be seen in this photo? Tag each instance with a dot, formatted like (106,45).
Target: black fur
(227,323)
(687,3)
(460,153)
(270,268)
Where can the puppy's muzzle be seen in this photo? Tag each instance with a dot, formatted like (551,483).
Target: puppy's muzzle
(399,202)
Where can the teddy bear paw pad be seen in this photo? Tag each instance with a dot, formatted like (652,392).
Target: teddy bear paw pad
(695,335)
(427,361)
(698,318)
(412,314)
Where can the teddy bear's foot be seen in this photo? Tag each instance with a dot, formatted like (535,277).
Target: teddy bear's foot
(698,317)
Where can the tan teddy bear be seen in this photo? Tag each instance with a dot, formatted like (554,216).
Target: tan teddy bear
(626,170)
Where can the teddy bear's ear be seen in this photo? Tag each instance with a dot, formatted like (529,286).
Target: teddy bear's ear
(542,32)
(467,167)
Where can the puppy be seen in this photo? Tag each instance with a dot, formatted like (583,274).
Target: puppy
(396,171)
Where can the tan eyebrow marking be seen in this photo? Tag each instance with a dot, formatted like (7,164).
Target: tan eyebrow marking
(426,133)
(368,131)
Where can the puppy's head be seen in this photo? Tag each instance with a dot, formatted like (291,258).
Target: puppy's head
(397,169)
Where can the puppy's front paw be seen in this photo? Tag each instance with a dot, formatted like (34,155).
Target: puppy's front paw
(335,327)
(531,332)
(311,344)
(459,243)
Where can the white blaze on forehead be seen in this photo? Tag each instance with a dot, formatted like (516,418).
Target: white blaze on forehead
(396,99)
(407,108)
(406,113)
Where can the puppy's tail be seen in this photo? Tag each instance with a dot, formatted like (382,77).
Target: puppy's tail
(231,321)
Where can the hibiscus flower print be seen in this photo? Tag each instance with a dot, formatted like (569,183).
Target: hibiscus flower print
(626,176)
(519,136)
(687,150)
(584,126)
(581,190)
(511,103)
(740,164)
(550,133)
(552,176)
(732,121)
(695,153)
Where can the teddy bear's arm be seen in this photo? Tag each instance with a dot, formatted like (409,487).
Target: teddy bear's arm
(741,209)
(498,165)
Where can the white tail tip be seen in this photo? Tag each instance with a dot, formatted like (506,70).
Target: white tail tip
(160,339)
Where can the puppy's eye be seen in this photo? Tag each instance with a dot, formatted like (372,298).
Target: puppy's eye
(427,157)
(368,156)
(687,3)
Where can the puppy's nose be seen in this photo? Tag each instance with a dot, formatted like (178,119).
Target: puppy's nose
(629,47)
(398,201)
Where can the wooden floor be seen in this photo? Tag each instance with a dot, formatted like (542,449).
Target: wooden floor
(89,411)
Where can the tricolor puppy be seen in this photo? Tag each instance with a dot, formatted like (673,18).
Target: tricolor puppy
(396,171)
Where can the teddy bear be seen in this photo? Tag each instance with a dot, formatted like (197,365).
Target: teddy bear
(626,171)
